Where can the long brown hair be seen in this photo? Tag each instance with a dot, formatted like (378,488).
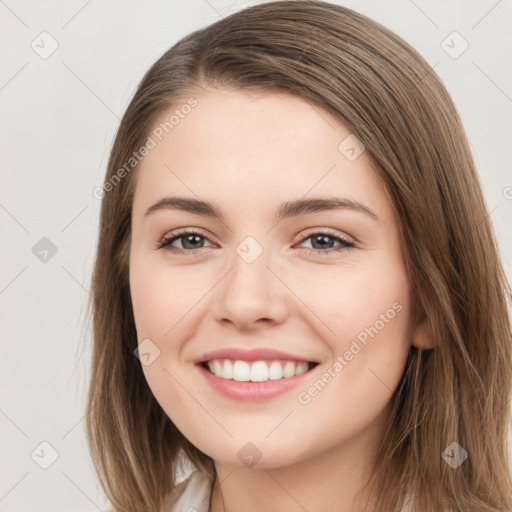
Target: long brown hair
(391,99)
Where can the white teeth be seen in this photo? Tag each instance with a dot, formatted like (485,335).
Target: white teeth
(257,371)
(227,369)
(289,370)
(275,371)
(241,371)
(217,367)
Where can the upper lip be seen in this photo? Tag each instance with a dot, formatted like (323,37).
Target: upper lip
(255,354)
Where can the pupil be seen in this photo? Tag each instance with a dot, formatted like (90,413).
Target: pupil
(190,238)
(323,237)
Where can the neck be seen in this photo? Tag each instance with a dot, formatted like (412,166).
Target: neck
(331,481)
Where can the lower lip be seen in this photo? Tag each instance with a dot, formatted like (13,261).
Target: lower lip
(251,391)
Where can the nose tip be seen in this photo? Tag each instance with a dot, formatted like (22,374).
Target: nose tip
(250,297)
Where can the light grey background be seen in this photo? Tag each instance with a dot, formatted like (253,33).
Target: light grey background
(59,115)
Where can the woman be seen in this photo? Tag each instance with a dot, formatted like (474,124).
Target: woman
(373,374)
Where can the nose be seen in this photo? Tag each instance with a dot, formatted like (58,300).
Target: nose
(251,296)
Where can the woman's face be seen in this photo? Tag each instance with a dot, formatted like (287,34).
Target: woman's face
(322,284)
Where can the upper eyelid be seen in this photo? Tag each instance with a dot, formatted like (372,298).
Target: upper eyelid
(327,231)
(178,233)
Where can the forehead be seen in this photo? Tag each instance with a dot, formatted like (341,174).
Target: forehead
(253,148)
(241,122)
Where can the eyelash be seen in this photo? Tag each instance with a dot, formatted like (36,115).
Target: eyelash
(167,241)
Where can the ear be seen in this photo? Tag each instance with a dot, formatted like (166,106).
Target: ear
(421,336)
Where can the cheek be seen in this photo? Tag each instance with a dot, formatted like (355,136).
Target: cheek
(161,298)
(349,298)
(362,313)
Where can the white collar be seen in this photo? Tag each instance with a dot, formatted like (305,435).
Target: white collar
(193,489)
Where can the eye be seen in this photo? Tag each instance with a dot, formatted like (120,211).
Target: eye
(191,242)
(323,241)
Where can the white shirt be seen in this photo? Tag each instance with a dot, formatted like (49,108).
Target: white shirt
(193,489)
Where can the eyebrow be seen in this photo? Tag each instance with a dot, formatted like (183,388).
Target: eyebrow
(289,209)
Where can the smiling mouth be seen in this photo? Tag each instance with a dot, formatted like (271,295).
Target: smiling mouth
(256,371)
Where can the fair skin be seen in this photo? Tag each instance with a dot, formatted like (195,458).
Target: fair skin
(248,154)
